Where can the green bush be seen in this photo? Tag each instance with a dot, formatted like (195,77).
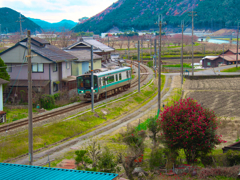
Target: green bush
(107,162)
(56,96)
(157,159)
(233,157)
(47,101)
(215,160)
(150,64)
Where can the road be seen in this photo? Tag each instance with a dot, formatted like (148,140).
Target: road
(210,71)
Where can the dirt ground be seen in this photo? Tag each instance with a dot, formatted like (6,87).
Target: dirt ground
(222,96)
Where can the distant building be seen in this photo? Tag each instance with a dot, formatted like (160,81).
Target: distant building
(98,48)
(216,61)
(45,36)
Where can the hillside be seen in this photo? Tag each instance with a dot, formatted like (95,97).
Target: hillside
(8,18)
(140,15)
(46,26)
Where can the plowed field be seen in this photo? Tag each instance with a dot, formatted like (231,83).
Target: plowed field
(222,96)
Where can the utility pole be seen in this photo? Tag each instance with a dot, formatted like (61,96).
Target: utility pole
(182,26)
(138,66)
(92,84)
(223,54)
(155,57)
(193,14)
(1,33)
(128,47)
(237,45)
(30,128)
(159,64)
(20,21)
(142,49)
(108,41)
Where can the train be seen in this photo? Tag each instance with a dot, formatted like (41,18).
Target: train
(106,83)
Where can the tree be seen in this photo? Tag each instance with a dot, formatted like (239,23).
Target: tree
(134,157)
(3,72)
(154,129)
(82,160)
(107,162)
(188,126)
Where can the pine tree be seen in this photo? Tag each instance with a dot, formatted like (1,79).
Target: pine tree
(3,72)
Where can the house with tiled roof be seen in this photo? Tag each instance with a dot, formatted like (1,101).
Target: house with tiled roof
(51,67)
(215,61)
(98,47)
(83,63)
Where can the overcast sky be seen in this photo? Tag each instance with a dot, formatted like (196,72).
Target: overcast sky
(57,10)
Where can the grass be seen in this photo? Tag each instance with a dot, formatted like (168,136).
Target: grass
(185,65)
(234,69)
(16,114)
(227,39)
(15,145)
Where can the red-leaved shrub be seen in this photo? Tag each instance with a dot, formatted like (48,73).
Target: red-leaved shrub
(188,126)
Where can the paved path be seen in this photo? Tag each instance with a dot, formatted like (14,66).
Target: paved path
(210,71)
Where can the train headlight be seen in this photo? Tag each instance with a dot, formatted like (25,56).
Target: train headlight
(94,90)
(81,91)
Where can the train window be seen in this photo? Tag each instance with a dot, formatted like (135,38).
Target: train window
(95,82)
(100,83)
(120,76)
(127,74)
(87,83)
(110,79)
(80,82)
(116,77)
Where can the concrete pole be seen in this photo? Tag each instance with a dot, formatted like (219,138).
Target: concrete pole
(92,83)
(155,57)
(30,128)
(237,45)
(192,46)
(182,25)
(138,66)
(159,65)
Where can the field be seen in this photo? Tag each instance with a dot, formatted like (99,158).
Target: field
(222,96)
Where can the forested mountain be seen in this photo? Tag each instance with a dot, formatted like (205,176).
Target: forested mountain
(143,14)
(9,18)
(58,27)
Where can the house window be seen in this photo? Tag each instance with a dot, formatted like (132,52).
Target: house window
(55,87)
(67,65)
(54,67)
(37,67)
(9,67)
(209,63)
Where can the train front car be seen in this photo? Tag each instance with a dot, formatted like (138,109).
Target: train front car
(84,87)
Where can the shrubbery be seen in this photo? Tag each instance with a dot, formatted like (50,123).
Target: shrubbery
(220,171)
(47,101)
(157,159)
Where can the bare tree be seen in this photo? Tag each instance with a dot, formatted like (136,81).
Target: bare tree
(64,38)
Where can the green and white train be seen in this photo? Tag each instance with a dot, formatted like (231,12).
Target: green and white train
(105,83)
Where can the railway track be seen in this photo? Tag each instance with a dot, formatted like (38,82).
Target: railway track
(20,123)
